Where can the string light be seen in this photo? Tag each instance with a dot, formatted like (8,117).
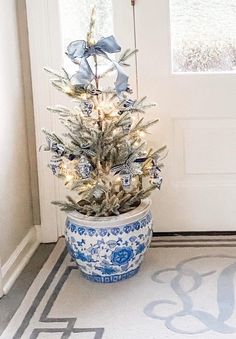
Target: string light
(69,177)
(83,96)
(141,134)
(104,106)
(67,90)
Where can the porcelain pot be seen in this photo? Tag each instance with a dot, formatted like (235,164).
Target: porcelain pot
(109,249)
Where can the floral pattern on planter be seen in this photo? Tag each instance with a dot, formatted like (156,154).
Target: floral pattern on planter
(122,256)
(109,254)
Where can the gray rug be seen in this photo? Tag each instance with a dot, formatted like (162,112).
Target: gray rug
(185,289)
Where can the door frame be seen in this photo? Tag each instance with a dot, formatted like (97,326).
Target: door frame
(1,282)
(43,33)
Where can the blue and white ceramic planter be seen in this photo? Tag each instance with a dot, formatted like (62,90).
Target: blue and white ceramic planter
(109,249)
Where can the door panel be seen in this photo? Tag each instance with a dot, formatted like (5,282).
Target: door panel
(197,122)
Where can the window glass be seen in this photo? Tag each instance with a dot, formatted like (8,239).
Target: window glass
(75,19)
(203,35)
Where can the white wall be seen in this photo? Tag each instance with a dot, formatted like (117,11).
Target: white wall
(16,208)
(29,107)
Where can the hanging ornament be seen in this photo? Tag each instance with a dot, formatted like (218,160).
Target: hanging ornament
(155,170)
(155,178)
(55,147)
(84,167)
(126,179)
(98,193)
(87,108)
(92,89)
(126,128)
(55,164)
(132,165)
(136,168)
(127,125)
(71,156)
(127,104)
(60,149)
(129,90)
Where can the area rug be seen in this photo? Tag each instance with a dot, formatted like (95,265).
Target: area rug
(185,289)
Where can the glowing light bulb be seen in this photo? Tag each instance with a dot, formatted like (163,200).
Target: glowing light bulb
(104,106)
(135,181)
(83,96)
(69,177)
(141,134)
(67,90)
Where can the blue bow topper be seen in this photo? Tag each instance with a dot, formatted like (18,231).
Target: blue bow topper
(79,52)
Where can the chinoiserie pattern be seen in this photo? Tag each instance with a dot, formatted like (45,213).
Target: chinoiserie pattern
(109,254)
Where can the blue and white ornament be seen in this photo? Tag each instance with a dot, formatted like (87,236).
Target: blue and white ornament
(155,178)
(84,167)
(126,179)
(55,164)
(60,149)
(86,108)
(55,147)
(127,104)
(127,125)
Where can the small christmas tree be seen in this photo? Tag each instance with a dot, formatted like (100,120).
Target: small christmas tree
(103,156)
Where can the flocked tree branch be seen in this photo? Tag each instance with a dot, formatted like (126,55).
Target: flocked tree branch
(102,155)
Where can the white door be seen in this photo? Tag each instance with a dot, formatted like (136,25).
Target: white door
(196,111)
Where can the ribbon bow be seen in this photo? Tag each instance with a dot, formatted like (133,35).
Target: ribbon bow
(79,50)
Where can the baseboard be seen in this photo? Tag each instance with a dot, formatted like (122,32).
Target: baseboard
(20,258)
(194,240)
(194,233)
(38,232)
